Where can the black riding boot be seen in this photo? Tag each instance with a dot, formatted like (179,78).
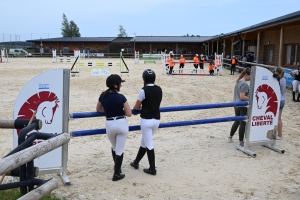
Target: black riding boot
(298,98)
(294,93)
(151,159)
(138,158)
(118,163)
(113,153)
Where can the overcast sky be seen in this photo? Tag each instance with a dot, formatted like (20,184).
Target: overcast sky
(33,19)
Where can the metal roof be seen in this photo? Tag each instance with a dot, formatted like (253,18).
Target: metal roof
(122,39)
(75,39)
(175,39)
(269,23)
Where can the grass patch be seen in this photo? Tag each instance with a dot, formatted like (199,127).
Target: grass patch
(14,194)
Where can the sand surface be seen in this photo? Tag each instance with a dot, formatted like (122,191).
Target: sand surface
(193,162)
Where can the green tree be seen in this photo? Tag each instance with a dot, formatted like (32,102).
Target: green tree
(122,32)
(69,29)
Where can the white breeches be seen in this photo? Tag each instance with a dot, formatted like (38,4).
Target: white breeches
(148,128)
(296,85)
(117,131)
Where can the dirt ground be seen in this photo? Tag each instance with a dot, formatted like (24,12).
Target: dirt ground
(193,162)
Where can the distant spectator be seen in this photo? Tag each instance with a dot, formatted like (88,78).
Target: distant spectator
(296,83)
(196,62)
(233,63)
(244,60)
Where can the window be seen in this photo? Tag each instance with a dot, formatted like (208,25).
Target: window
(291,54)
(66,50)
(269,54)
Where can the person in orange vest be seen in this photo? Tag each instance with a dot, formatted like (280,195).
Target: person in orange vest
(217,64)
(234,62)
(171,63)
(196,62)
(211,68)
(181,64)
(202,60)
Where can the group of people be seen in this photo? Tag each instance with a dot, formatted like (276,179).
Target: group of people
(197,61)
(116,109)
(241,93)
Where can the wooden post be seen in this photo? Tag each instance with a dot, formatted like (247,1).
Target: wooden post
(224,47)
(17,124)
(257,47)
(9,163)
(41,191)
(296,53)
(280,47)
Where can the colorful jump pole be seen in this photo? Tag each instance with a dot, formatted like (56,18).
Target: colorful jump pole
(168,109)
(163,125)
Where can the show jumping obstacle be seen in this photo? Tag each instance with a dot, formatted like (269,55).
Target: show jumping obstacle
(261,119)
(4,56)
(165,125)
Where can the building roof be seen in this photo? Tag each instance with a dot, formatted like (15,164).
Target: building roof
(175,39)
(122,39)
(266,24)
(75,39)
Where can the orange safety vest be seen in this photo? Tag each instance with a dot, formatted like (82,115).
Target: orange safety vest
(218,62)
(171,62)
(233,61)
(196,60)
(182,60)
(211,67)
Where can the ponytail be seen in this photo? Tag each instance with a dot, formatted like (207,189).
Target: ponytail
(113,89)
(244,72)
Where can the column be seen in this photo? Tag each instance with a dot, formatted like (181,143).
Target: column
(257,47)
(212,47)
(208,49)
(217,47)
(296,54)
(224,48)
(243,48)
(231,49)
(280,47)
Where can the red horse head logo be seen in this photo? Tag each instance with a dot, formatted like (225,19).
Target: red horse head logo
(45,103)
(266,99)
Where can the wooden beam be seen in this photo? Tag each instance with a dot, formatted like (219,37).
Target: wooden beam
(41,191)
(9,163)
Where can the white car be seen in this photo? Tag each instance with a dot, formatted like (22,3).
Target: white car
(19,53)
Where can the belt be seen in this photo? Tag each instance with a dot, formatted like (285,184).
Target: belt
(115,118)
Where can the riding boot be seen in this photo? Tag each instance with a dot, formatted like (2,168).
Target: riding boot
(118,163)
(113,153)
(298,98)
(151,159)
(294,93)
(138,158)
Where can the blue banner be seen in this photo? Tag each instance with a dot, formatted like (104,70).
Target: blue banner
(289,79)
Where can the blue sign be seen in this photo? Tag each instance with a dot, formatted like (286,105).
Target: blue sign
(44,86)
(289,79)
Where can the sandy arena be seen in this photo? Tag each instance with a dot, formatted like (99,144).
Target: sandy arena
(193,162)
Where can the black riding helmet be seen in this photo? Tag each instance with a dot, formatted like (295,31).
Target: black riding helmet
(149,76)
(113,79)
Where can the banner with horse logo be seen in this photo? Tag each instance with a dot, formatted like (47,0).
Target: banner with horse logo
(44,94)
(265,106)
